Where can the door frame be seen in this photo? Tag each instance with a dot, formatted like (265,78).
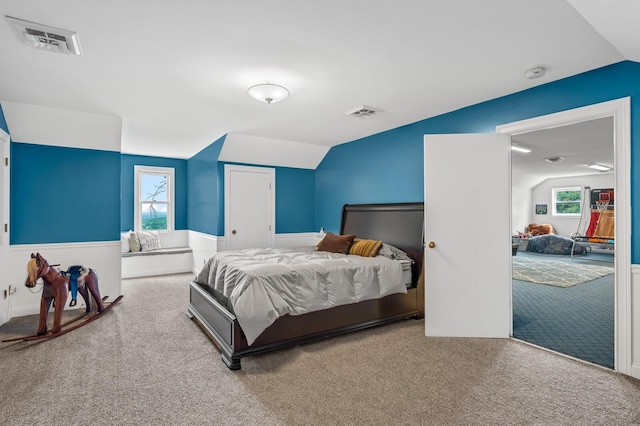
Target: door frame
(228,168)
(620,110)
(5,146)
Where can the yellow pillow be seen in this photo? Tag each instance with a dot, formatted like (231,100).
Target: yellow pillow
(365,248)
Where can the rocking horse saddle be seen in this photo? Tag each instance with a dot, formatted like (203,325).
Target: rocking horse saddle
(75,274)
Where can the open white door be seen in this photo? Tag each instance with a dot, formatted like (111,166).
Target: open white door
(468,219)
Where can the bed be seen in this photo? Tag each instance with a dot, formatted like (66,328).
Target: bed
(398,225)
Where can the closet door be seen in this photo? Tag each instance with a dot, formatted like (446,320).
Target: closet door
(249,207)
(468,235)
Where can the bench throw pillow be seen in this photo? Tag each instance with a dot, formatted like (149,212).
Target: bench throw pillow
(125,242)
(134,242)
(149,240)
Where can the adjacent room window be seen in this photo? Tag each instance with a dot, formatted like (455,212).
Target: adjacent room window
(567,201)
(154,204)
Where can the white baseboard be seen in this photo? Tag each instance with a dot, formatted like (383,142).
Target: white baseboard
(635,321)
(635,371)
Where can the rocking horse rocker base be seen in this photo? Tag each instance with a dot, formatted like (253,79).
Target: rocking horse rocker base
(54,291)
(70,325)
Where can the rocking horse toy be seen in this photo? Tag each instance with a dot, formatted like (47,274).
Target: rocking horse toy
(55,290)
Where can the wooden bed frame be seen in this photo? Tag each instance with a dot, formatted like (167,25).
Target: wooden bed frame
(400,225)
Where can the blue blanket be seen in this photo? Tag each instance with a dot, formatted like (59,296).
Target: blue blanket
(554,244)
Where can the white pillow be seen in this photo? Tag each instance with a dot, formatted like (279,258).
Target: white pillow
(149,240)
(126,244)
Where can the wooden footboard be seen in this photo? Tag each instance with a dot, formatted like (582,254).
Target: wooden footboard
(289,330)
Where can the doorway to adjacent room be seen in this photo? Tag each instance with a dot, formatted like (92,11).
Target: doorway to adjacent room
(567,302)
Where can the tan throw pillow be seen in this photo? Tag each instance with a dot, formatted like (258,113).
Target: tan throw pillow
(365,248)
(134,242)
(336,243)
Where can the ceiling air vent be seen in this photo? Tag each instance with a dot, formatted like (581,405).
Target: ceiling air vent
(554,159)
(362,111)
(45,37)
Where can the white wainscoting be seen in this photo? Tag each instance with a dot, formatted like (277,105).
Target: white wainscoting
(204,246)
(635,321)
(296,240)
(103,257)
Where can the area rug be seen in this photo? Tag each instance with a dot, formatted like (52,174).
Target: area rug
(556,272)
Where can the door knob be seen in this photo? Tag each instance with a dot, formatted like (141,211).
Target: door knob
(234,232)
(432,244)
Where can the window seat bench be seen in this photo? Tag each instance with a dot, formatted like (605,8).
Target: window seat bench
(159,252)
(172,260)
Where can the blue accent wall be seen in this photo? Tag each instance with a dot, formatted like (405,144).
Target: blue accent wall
(3,121)
(205,191)
(61,195)
(387,167)
(295,200)
(127,187)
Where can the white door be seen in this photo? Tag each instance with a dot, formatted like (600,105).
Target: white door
(5,315)
(468,220)
(249,207)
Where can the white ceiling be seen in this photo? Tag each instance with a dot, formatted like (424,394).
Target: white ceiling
(580,144)
(177,73)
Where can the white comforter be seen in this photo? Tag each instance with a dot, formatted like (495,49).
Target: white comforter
(264,284)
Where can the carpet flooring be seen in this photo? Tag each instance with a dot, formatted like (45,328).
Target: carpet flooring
(576,321)
(146,363)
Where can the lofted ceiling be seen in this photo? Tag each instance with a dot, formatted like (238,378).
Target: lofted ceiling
(176,73)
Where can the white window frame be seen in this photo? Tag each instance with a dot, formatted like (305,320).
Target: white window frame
(554,191)
(138,201)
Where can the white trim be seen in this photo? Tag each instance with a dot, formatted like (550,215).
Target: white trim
(635,293)
(228,168)
(620,110)
(5,303)
(296,239)
(59,246)
(5,150)
(204,246)
(170,171)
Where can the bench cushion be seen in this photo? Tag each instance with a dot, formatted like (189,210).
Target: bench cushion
(159,252)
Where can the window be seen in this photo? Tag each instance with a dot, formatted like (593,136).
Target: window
(154,198)
(567,201)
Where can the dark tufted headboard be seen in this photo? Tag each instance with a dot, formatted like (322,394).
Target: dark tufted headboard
(398,224)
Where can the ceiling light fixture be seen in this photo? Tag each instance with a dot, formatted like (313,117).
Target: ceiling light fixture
(599,167)
(519,148)
(268,92)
